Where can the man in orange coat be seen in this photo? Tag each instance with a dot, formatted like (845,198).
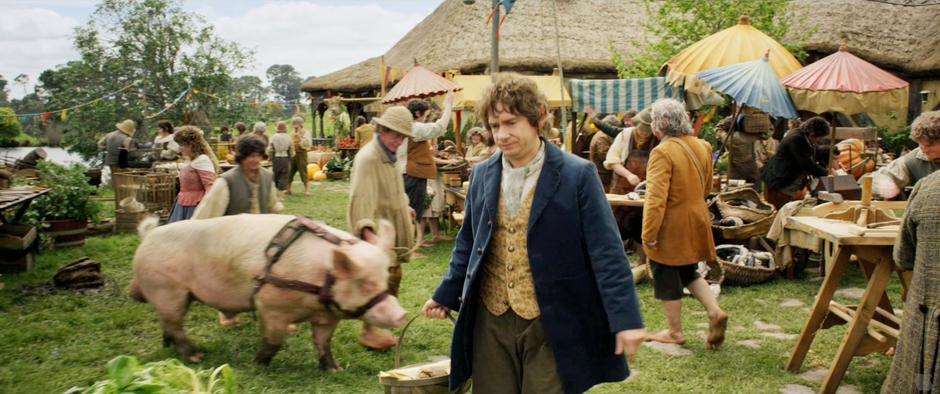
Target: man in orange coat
(677,232)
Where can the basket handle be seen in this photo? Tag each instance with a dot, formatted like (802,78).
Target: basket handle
(401,337)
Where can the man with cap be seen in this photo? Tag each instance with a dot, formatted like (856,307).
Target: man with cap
(117,140)
(377,191)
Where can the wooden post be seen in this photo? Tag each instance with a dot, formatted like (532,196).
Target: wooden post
(458,135)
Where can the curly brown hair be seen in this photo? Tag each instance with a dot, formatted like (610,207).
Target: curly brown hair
(517,94)
(926,126)
(192,136)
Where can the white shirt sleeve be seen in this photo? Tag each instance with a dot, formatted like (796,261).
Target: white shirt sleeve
(202,163)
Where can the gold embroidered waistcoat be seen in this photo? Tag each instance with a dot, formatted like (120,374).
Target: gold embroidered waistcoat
(507,276)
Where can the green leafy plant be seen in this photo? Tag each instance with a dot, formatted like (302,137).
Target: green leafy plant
(10,127)
(69,197)
(338,164)
(127,375)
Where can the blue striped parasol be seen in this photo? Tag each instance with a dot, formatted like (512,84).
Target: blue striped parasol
(754,84)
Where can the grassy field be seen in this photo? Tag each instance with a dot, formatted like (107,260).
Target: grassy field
(55,339)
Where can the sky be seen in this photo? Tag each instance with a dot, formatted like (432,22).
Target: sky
(315,36)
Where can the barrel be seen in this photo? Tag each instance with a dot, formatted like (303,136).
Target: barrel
(67,232)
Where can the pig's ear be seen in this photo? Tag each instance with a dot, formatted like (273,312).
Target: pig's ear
(386,236)
(343,266)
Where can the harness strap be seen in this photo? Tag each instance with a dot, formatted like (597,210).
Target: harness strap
(284,238)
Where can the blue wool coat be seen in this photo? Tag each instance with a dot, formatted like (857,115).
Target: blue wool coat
(583,281)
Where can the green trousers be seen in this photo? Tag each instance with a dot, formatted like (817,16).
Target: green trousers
(511,355)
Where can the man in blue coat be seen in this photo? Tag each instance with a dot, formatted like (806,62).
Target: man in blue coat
(543,288)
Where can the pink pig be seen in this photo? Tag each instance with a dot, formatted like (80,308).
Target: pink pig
(216,261)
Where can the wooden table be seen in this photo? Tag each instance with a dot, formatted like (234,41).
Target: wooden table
(456,196)
(867,333)
(22,198)
(621,200)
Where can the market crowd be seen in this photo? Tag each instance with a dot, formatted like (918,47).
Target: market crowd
(539,277)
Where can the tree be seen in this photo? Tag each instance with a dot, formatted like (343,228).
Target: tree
(676,24)
(4,94)
(10,127)
(285,81)
(249,88)
(136,58)
(22,80)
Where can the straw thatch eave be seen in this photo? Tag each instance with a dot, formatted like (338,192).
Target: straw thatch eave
(902,39)
(899,38)
(456,36)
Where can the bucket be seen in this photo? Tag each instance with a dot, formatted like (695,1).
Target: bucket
(437,384)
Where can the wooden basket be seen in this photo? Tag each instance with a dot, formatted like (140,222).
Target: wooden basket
(747,214)
(743,276)
(434,385)
(156,190)
(743,232)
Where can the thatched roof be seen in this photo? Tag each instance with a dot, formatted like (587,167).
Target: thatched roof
(901,38)
(455,36)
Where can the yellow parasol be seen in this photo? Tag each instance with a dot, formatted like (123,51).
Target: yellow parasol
(737,44)
(473,86)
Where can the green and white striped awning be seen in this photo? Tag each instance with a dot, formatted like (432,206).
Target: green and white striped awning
(619,95)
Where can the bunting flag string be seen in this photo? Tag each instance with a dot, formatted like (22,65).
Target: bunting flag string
(168,106)
(45,115)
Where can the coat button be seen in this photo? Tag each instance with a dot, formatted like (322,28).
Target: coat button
(479,250)
(509,267)
(512,230)
(489,223)
(512,248)
(511,285)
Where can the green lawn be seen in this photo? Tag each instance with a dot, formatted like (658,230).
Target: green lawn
(55,339)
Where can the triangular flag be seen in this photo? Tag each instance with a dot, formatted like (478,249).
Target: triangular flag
(507,4)
(64,116)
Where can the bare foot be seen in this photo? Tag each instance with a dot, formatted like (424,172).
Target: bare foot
(716,331)
(228,321)
(665,336)
(378,340)
(291,329)
(306,193)
(427,243)
(442,238)
(418,256)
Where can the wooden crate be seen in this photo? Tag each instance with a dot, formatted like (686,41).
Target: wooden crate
(156,190)
(17,247)
(126,222)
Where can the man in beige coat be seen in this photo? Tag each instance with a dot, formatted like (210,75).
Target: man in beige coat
(377,192)
(677,233)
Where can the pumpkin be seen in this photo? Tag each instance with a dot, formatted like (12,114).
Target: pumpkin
(312,169)
(319,176)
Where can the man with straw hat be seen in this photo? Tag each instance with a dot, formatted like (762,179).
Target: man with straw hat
(117,140)
(377,191)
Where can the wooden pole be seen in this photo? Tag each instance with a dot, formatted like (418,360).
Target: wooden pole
(568,143)
(458,132)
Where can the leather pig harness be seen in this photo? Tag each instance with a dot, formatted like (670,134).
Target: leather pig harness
(285,238)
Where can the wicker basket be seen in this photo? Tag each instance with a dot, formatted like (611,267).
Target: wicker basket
(742,275)
(739,233)
(156,190)
(126,222)
(747,214)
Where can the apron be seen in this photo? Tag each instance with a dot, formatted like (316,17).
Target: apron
(635,162)
(630,219)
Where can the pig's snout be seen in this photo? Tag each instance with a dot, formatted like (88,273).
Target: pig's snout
(387,314)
